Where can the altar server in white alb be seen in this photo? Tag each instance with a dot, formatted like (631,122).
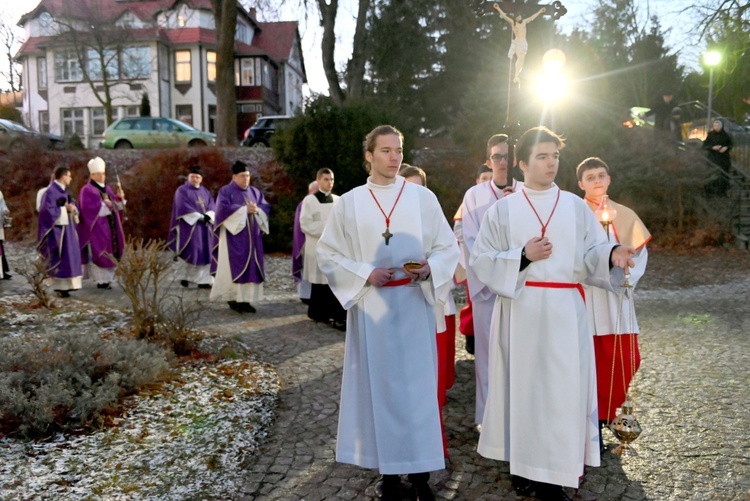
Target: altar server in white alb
(477,200)
(534,250)
(316,208)
(389,417)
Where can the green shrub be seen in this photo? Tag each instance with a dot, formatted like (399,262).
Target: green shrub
(67,379)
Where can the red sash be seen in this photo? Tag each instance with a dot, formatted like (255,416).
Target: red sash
(396,283)
(559,285)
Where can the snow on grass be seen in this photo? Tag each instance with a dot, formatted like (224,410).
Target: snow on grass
(189,439)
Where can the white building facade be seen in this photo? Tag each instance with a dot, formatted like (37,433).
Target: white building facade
(165,49)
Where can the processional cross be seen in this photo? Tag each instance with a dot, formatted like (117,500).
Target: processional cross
(518,14)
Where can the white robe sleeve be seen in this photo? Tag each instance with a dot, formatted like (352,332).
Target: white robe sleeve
(191,218)
(237,221)
(470,222)
(443,255)
(493,261)
(63,219)
(310,220)
(262,219)
(337,258)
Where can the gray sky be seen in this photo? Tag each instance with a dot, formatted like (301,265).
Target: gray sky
(679,26)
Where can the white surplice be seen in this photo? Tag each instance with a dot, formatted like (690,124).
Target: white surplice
(477,200)
(389,417)
(541,412)
(312,221)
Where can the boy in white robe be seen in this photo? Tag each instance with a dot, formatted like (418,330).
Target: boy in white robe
(534,249)
(617,354)
(389,417)
(323,306)
(477,200)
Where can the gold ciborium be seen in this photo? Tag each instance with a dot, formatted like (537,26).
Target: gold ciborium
(626,429)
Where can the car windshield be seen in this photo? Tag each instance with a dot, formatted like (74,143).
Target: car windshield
(14,126)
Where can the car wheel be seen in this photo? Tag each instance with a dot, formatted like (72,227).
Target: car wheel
(123,145)
(259,144)
(196,143)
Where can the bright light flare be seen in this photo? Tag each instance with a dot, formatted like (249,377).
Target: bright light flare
(712,58)
(552,86)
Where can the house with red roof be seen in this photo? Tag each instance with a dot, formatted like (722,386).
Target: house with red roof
(80,54)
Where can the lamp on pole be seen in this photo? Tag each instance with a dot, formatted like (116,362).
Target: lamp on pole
(710,59)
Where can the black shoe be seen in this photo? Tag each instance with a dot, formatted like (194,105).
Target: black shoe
(549,492)
(470,345)
(7,277)
(522,486)
(104,286)
(339,325)
(420,486)
(62,293)
(247,307)
(204,286)
(305,300)
(388,487)
(184,283)
(235,306)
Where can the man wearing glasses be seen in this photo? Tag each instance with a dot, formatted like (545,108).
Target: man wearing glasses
(477,200)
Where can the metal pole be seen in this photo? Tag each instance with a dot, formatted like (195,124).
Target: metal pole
(710,97)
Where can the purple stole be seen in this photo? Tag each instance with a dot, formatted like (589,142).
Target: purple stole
(245,249)
(192,243)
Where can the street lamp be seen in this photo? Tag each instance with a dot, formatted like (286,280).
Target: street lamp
(710,59)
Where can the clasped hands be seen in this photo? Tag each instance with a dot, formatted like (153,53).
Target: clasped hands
(380,276)
(252,207)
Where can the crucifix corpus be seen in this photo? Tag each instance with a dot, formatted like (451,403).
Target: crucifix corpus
(519,46)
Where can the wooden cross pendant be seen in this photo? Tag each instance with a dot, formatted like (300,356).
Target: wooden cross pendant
(387,235)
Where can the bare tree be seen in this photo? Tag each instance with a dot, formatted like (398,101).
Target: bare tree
(712,12)
(9,40)
(104,50)
(355,68)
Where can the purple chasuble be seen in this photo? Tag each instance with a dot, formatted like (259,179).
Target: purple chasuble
(298,244)
(192,243)
(245,249)
(58,243)
(99,236)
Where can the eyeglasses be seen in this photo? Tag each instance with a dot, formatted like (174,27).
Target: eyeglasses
(498,157)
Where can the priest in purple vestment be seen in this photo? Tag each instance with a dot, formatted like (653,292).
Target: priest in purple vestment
(191,230)
(304,288)
(100,231)
(57,240)
(241,215)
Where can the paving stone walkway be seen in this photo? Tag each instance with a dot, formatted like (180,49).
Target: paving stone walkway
(692,397)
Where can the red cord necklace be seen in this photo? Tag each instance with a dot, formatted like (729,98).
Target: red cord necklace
(544,225)
(387,234)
